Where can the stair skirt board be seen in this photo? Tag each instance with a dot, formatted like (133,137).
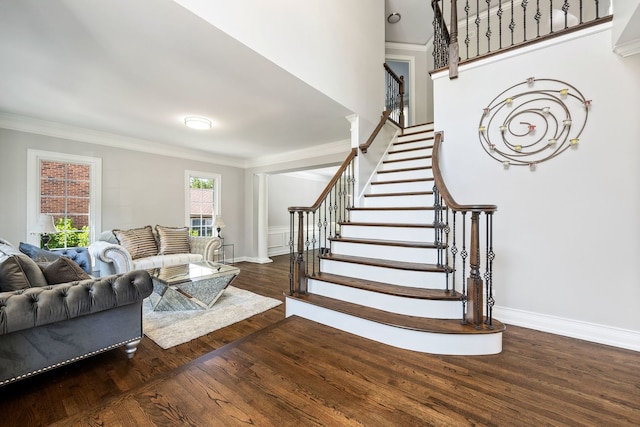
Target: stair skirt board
(393,276)
(409,234)
(421,341)
(395,253)
(436,309)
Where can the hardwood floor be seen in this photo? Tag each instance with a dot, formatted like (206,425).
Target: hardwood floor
(296,372)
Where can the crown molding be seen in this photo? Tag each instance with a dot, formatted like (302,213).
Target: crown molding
(337,147)
(59,130)
(632,47)
(406,46)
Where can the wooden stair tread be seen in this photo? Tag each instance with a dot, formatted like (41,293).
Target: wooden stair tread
(417,168)
(402,181)
(407,193)
(398,265)
(389,289)
(408,150)
(404,137)
(408,159)
(386,224)
(400,243)
(442,326)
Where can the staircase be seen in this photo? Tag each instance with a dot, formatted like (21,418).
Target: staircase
(381,279)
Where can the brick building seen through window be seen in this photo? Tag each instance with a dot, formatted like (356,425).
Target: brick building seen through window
(65,194)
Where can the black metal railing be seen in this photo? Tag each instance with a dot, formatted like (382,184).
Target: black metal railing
(489,26)
(394,96)
(460,242)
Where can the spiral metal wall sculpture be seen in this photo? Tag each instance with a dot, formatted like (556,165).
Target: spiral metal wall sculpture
(526,127)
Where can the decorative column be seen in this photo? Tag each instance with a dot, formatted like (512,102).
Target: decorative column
(263,218)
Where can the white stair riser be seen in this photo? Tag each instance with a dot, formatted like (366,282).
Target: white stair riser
(409,234)
(399,201)
(395,253)
(418,279)
(406,164)
(393,216)
(425,342)
(435,309)
(414,144)
(408,154)
(425,128)
(414,174)
(402,187)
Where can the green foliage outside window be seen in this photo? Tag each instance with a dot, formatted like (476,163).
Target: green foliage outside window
(200,183)
(74,236)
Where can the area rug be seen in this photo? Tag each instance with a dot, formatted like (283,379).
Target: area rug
(170,328)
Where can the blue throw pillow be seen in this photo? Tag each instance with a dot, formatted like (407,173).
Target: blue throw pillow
(37,254)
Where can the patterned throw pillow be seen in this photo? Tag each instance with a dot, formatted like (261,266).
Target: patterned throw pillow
(173,240)
(138,241)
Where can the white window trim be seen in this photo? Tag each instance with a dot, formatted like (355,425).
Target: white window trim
(217,192)
(33,189)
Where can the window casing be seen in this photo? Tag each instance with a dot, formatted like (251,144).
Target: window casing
(202,201)
(68,188)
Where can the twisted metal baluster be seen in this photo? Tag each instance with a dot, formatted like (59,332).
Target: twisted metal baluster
(477,22)
(565,9)
(488,33)
(524,18)
(512,24)
(454,252)
(314,253)
(537,17)
(467,39)
(500,12)
(488,276)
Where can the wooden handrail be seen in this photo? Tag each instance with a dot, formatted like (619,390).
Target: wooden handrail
(442,187)
(393,74)
(330,185)
(383,119)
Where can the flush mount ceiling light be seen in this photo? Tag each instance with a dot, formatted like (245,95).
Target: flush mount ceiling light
(199,123)
(394,18)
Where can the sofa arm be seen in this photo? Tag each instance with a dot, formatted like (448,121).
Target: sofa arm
(117,256)
(38,306)
(205,246)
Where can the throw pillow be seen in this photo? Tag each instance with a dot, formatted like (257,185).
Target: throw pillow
(63,270)
(18,271)
(138,241)
(37,254)
(173,240)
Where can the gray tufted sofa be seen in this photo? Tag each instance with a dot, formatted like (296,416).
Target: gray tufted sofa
(43,327)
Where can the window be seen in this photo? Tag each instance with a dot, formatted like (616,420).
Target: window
(68,188)
(202,201)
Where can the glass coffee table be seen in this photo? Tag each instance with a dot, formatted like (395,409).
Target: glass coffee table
(195,286)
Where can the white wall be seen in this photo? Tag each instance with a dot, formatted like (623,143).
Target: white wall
(335,46)
(567,236)
(137,188)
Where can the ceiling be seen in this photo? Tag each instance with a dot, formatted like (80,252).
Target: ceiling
(136,68)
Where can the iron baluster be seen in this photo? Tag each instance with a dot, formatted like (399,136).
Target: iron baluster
(580,6)
(537,17)
(489,271)
(488,33)
(477,22)
(448,270)
(550,16)
(524,19)
(463,256)
(512,24)
(467,39)
(291,251)
(565,9)
(500,12)
(597,9)
(454,252)
(314,252)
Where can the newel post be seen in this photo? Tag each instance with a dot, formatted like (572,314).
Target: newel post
(300,270)
(474,281)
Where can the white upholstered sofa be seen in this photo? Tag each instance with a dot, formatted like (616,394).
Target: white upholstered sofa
(120,251)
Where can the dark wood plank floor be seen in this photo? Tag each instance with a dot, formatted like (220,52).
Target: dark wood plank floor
(296,372)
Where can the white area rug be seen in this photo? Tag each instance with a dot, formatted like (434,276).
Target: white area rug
(170,328)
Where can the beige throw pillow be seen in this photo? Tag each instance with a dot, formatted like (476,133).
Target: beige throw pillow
(138,241)
(173,240)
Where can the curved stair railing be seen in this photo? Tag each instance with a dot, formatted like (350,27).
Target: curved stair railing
(460,239)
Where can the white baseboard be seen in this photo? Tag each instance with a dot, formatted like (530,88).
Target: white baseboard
(255,260)
(617,337)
